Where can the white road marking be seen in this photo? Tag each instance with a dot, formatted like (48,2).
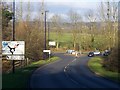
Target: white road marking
(65,71)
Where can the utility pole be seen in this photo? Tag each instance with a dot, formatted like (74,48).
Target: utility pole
(42,15)
(48,31)
(45,35)
(45,30)
(42,26)
(13,34)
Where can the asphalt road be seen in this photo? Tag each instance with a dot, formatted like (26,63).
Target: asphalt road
(69,72)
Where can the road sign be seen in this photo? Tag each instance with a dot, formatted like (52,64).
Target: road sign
(52,43)
(49,51)
(14,50)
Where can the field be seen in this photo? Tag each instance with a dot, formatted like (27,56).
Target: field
(66,37)
(85,41)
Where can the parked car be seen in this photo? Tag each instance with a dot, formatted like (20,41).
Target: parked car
(91,54)
(97,52)
(106,53)
(70,51)
(94,53)
(73,52)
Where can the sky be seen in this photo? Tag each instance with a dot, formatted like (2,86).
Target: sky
(62,7)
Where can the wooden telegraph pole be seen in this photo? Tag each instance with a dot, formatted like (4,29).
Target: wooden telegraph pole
(13,34)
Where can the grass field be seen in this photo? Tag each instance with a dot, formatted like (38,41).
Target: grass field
(66,37)
(83,39)
(96,66)
(21,76)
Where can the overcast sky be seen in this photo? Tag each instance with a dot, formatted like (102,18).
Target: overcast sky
(62,7)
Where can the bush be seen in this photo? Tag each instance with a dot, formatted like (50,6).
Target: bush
(33,38)
(112,62)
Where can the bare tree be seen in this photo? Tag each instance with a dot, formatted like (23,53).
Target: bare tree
(91,17)
(74,19)
(108,12)
(19,11)
(28,31)
(108,15)
(28,11)
(57,22)
(114,13)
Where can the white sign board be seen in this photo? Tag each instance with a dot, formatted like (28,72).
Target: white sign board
(52,43)
(47,51)
(14,50)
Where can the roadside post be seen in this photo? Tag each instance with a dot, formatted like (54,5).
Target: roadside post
(47,51)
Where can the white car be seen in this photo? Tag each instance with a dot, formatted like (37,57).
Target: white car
(73,52)
(96,52)
(70,51)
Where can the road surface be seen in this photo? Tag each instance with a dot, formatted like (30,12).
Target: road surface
(69,72)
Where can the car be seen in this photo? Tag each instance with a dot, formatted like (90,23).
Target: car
(70,51)
(106,53)
(94,53)
(91,54)
(73,52)
(97,53)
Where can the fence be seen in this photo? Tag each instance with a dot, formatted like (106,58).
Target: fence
(7,64)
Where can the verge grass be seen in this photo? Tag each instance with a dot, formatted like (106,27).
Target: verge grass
(21,76)
(95,64)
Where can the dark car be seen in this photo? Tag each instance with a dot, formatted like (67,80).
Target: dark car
(95,53)
(106,53)
(91,54)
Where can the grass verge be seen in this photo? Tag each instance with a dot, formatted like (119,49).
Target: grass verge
(95,64)
(21,76)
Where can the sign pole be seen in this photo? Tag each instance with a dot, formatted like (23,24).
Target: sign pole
(49,56)
(13,63)
(48,32)
(47,51)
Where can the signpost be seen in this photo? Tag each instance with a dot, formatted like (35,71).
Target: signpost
(52,43)
(47,51)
